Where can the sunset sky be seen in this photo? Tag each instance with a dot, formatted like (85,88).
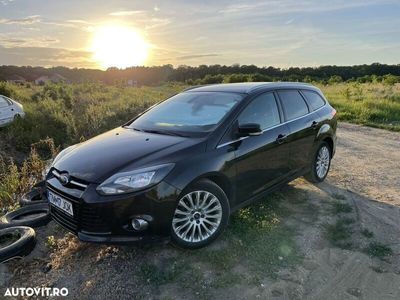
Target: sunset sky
(98,34)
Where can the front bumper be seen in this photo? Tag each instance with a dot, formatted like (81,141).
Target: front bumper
(107,219)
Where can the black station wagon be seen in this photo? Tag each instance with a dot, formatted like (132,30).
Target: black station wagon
(183,166)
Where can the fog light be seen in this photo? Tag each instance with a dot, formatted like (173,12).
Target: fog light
(139,224)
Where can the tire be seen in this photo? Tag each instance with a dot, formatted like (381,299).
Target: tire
(13,218)
(35,196)
(191,226)
(314,175)
(22,246)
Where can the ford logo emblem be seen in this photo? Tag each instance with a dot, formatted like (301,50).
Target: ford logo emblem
(64,179)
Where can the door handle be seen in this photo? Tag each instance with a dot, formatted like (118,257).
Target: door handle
(314,125)
(281,138)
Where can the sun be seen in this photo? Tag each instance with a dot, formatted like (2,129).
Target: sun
(118,46)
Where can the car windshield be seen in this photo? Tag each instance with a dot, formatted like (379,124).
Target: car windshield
(188,112)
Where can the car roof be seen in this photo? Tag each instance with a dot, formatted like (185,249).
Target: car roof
(249,87)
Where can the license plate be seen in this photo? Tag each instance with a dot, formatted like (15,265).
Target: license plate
(61,203)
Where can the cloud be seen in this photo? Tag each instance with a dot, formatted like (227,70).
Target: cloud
(23,21)
(157,22)
(239,8)
(6,2)
(11,41)
(126,13)
(290,21)
(42,56)
(194,56)
(291,6)
(78,22)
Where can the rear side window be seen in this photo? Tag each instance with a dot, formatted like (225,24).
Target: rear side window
(313,99)
(3,102)
(293,104)
(262,110)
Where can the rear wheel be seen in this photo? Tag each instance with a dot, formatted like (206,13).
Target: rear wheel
(320,164)
(201,215)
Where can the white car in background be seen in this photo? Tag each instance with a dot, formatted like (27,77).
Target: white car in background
(9,110)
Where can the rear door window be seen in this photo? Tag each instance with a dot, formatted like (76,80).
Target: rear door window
(313,99)
(293,104)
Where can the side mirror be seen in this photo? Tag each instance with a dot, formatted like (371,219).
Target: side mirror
(249,129)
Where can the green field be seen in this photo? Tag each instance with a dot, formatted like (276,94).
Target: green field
(64,114)
(370,104)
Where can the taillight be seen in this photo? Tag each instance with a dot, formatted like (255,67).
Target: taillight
(333,113)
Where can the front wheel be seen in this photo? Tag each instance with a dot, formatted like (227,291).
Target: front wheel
(320,164)
(200,216)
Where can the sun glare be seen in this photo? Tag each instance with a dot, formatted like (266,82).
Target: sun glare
(118,46)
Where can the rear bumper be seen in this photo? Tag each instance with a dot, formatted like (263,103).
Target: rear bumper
(107,219)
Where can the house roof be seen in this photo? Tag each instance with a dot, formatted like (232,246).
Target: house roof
(16,77)
(57,76)
(54,77)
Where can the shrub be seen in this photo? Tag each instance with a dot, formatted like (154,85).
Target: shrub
(390,79)
(209,79)
(7,89)
(335,79)
(15,181)
(236,78)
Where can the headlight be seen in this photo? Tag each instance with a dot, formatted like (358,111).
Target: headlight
(127,182)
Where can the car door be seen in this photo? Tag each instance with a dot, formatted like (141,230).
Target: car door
(303,125)
(261,161)
(5,111)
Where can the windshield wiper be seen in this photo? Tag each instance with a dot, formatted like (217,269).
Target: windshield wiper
(159,132)
(162,132)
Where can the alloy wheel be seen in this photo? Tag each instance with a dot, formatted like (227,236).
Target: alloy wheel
(197,216)
(322,163)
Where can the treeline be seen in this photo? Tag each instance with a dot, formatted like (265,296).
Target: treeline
(212,73)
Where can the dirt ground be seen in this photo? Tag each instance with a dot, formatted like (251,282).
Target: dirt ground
(335,240)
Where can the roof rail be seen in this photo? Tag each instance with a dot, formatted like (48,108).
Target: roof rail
(193,87)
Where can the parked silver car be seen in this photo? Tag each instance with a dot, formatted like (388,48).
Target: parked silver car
(9,110)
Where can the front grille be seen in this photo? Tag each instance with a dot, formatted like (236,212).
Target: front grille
(86,216)
(91,219)
(62,218)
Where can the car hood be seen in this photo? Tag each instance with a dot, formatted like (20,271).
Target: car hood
(118,150)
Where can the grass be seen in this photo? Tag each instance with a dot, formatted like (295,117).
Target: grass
(51,241)
(153,274)
(376,249)
(16,180)
(257,238)
(339,196)
(371,104)
(340,207)
(367,233)
(256,242)
(340,232)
